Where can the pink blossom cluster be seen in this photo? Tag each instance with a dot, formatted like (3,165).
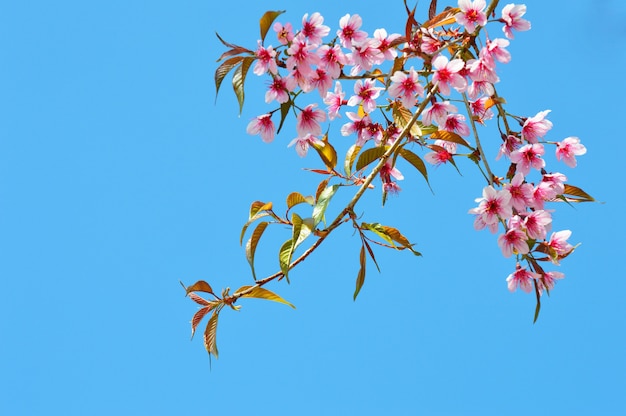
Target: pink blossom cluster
(303,62)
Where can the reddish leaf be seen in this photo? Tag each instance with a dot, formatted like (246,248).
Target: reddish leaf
(579,194)
(224,69)
(199,286)
(232,52)
(239,78)
(449,136)
(197,317)
(432,10)
(198,299)
(360,278)
(444,18)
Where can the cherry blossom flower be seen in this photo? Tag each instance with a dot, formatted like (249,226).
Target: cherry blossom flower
(482,69)
(548,280)
(335,100)
(472,14)
(430,41)
(536,127)
(537,224)
(528,156)
(365,55)
(512,17)
(544,191)
(513,242)
(455,123)
(349,32)
(521,192)
(495,50)
(309,120)
(406,87)
(477,88)
(521,278)
(302,143)
(386,173)
(556,182)
(322,81)
(568,149)
(446,74)
(301,56)
(442,154)
(480,110)
(264,126)
(493,205)
(302,80)
(283,33)
(366,94)
(279,90)
(384,43)
(558,243)
(332,59)
(439,112)
(510,144)
(313,29)
(359,126)
(266,60)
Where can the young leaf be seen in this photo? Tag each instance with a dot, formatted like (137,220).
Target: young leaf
(579,194)
(198,299)
(322,203)
(379,230)
(538,307)
(396,236)
(327,153)
(210,334)
(371,253)
(305,230)
(446,17)
(402,116)
(261,293)
(266,22)
(320,188)
(417,162)
(199,286)
(353,151)
(296,222)
(223,70)
(432,10)
(258,215)
(233,52)
(257,206)
(199,315)
(239,77)
(284,111)
(369,156)
(360,277)
(296,198)
(284,257)
(258,210)
(252,244)
(449,136)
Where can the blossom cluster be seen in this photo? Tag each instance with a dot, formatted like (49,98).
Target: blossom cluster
(425,73)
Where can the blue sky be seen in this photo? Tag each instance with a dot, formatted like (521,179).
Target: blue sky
(120,176)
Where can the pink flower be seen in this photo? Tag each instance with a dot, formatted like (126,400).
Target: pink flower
(493,206)
(536,127)
(303,142)
(359,126)
(283,33)
(558,243)
(430,42)
(279,90)
(483,69)
(510,144)
(322,81)
(406,87)
(366,93)
(556,182)
(313,29)
(512,17)
(264,126)
(477,88)
(568,149)
(335,101)
(438,112)
(365,55)
(543,192)
(548,280)
(447,74)
(384,43)
(349,30)
(442,153)
(521,192)
(472,14)
(301,56)
(513,242)
(309,120)
(332,59)
(266,60)
(537,224)
(480,110)
(521,278)
(388,171)
(528,156)
(302,79)
(455,123)
(495,49)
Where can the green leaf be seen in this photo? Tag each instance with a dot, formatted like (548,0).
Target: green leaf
(252,244)
(284,111)
(379,230)
(296,222)
(402,116)
(284,257)
(261,293)
(257,206)
(448,136)
(199,286)
(266,22)
(210,335)
(296,198)
(239,77)
(369,156)
(538,307)
(417,162)
(327,153)
(258,210)
(224,69)
(305,230)
(360,278)
(353,151)
(322,203)
(320,188)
